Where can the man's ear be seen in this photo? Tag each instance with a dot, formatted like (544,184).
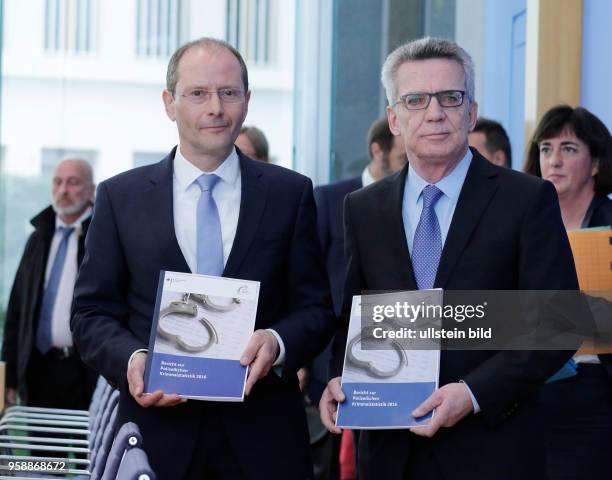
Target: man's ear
(169,104)
(473,115)
(499,158)
(392,117)
(376,152)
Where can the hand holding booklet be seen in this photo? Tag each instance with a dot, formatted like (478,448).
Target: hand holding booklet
(389,371)
(201,326)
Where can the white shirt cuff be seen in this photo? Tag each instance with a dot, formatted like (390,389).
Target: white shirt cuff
(143,350)
(472,397)
(281,348)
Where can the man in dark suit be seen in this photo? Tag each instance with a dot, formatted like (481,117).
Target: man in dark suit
(41,363)
(261,226)
(453,220)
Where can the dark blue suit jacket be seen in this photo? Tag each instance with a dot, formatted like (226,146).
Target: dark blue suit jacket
(330,209)
(132,238)
(506,234)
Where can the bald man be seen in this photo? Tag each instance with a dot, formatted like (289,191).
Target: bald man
(41,363)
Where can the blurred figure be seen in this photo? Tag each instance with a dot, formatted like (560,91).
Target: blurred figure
(387,155)
(41,362)
(572,148)
(253,143)
(492,142)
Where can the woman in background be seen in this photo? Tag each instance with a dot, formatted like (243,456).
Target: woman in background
(572,148)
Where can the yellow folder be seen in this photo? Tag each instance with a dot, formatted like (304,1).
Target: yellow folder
(592,250)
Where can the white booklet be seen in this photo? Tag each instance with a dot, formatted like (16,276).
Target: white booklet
(386,373)
(201,326)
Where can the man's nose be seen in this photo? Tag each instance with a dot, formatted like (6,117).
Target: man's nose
(214,106)
(434,110)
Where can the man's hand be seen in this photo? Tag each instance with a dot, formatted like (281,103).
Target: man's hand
(328,406)
(135,378)
(259,354)
(452,403)
(10,397)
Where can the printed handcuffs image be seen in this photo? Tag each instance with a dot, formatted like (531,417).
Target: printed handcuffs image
(366,365)
(190,309)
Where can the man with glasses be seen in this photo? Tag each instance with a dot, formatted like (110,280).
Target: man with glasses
(206,208)
(451,219)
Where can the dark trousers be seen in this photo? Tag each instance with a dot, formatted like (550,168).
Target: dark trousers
(578,414)
(59,379)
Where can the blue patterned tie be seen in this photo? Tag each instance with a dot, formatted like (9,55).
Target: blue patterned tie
(210,243)
(427,245)
(43,333)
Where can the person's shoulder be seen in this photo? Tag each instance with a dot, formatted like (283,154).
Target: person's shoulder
(509,179)
(602,213)
(340,186)
(138,177)
(276,176)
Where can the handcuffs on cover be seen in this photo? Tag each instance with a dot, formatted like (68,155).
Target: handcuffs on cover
(184,307)
(368,366)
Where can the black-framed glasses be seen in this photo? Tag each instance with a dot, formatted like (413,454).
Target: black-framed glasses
(226,95)
(421,100)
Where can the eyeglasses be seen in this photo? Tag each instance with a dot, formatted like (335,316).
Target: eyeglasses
(420,101)
(226,95)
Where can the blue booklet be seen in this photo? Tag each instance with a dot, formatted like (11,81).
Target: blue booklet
(201,326)
(387,373)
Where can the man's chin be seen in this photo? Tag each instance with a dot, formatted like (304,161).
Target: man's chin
(69,210)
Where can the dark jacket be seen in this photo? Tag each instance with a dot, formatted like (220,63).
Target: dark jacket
(25,299)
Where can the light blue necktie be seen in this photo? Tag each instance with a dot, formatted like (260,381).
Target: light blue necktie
(43,333)
(427,245)
(210,243)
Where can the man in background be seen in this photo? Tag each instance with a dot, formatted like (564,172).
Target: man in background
(492,142)
(253,143)
(41,363)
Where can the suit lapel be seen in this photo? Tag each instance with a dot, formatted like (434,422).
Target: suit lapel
(252,202)
(160,207)
(479,186)
(394,239)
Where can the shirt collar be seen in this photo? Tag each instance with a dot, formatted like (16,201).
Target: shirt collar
(186,172)
(77,223)
(450,184)
(366,177)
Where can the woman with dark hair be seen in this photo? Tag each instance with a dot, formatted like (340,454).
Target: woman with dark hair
(572,148)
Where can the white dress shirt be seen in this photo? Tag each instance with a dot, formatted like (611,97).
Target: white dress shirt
(366,177)
(186,193)
(60,319)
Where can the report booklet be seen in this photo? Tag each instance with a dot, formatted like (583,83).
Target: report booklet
(385,377)
(201,326)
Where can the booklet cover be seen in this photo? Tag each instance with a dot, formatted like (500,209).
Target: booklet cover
(384,379)
(201,326)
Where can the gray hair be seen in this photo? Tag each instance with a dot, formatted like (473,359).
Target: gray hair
(425,49)
(258,140)
(172,72)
